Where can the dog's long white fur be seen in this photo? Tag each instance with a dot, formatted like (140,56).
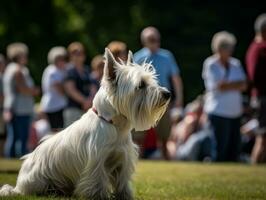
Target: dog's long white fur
(93,158)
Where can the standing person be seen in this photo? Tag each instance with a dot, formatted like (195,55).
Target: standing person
(224,81)
(168,76)
(53,100)
(78,85)
(2,125)
(19,91)
(256,68)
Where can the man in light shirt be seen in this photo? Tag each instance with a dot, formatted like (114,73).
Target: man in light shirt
(168,76)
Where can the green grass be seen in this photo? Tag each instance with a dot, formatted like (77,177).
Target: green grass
(176,180)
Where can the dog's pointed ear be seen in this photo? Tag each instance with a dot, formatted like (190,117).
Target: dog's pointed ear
(129,57)
(110,65)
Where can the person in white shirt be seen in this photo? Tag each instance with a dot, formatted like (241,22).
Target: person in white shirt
(224,81)
(19,92)
(53,100)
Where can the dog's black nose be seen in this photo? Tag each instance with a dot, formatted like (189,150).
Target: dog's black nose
(166,94)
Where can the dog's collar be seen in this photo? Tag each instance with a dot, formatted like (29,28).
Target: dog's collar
(96,112)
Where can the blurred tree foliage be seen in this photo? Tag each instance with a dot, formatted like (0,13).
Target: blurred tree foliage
(186,27)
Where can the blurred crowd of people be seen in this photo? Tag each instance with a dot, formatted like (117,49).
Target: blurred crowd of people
(219,125)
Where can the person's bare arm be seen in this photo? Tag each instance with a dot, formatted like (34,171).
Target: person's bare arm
(59,87)
(235,85)
(1,99)
(71,91)
(22,87)
(178,89)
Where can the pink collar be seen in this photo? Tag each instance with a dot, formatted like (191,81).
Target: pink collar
(96,112)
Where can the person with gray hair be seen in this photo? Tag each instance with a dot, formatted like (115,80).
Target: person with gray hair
(224,81)
(19,91)
(256,69)
(223,40)
(53,100)
(168,76)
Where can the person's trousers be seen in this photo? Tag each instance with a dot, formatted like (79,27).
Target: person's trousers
(56,119)
(198,147)
(17,136)
(71,115)
(227,137)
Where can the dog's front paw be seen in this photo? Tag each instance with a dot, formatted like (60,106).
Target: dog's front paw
(124,195)
(97,197)
(94,195)
(7,190)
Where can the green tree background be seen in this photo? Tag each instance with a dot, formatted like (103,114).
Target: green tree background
(186,27)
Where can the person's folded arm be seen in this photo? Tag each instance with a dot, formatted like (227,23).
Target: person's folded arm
(59,87)
(22,87)
(178,89)
(234,85)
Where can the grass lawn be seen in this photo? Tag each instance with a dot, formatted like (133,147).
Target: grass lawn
(177,180)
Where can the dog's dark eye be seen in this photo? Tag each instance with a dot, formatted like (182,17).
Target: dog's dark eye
(142,85)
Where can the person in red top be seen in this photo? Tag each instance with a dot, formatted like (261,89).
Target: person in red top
(256,69)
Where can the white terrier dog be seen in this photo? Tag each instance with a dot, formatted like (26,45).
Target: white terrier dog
(95,157)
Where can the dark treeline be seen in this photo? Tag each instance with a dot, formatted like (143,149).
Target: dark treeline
(186,27)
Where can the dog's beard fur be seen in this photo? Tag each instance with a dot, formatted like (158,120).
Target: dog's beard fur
(93,158)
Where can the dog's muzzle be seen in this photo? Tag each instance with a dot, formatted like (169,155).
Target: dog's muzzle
(166,95)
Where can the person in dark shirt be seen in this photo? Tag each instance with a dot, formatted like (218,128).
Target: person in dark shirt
(78,85)
(256,69)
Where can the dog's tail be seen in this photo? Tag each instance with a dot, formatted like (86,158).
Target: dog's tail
(8,190)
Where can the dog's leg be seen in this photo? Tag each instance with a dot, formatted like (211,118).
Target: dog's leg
(31,185)
(122,174)
(93,183)
(30,180)
(122,189)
